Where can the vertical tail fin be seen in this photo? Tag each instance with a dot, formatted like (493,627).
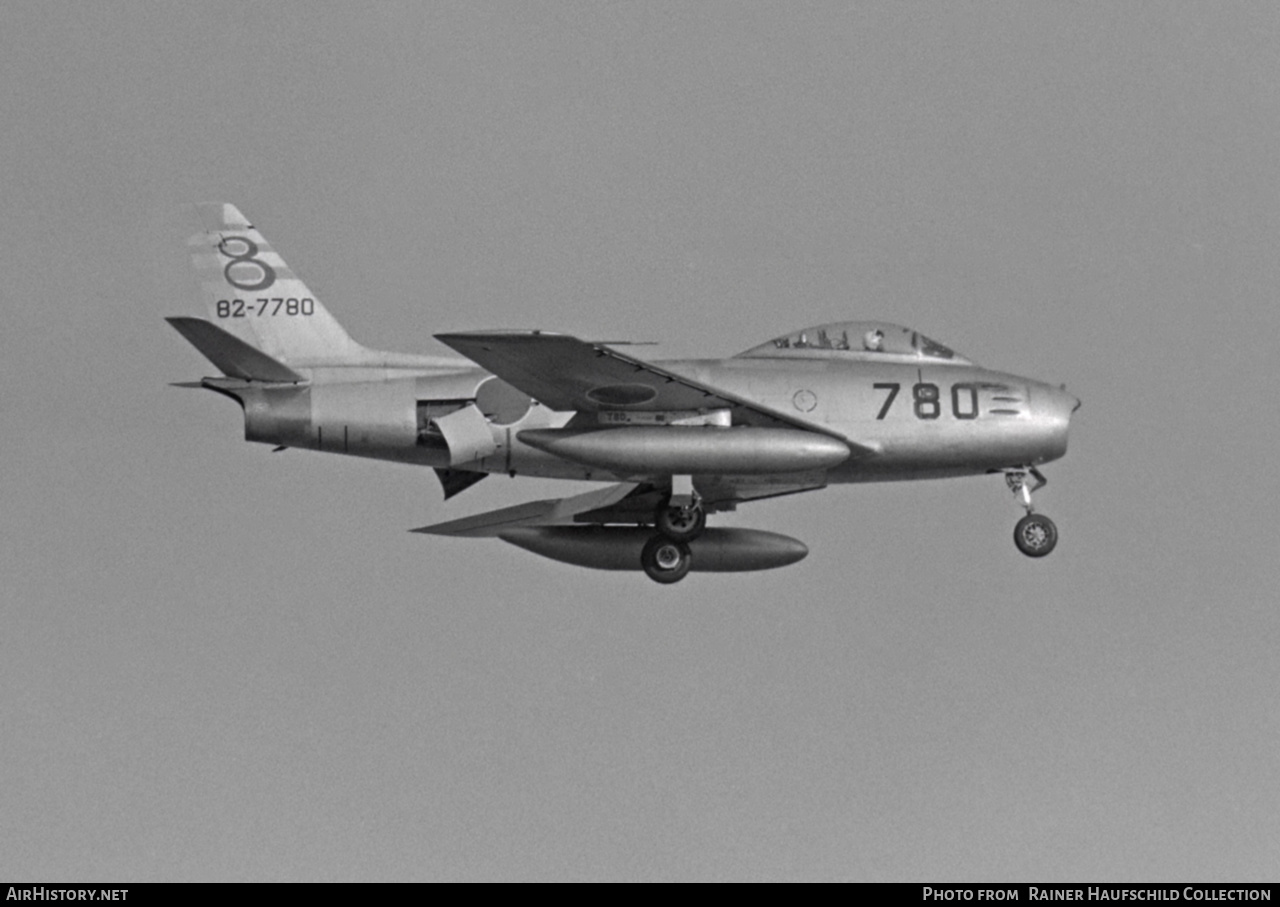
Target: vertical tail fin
(253,295)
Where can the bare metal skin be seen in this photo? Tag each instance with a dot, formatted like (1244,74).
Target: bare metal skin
(838,403)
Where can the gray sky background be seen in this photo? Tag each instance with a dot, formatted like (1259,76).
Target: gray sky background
(219,663)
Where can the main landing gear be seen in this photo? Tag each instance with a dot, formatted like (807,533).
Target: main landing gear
(666,560)
(679,519)
(683,524)
(1035,535)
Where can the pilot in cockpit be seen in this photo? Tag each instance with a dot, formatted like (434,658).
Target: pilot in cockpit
(874,340)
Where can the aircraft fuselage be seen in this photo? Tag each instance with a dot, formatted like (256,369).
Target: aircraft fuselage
(922,421)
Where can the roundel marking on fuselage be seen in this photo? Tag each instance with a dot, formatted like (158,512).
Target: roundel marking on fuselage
(805,400)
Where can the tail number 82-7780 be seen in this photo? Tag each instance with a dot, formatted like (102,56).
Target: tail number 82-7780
(269,306)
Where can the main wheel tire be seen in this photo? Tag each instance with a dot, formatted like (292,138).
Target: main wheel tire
(1035,535)
(666,560)
(680,524)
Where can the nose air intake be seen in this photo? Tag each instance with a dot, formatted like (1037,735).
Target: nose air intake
(1061,404)
(1076,401)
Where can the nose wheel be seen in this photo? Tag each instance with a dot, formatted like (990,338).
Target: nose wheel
(1035,535)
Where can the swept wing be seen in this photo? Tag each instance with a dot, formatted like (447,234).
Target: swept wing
(626,502)
(550,512)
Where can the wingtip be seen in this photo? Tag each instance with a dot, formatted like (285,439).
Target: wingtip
(436,529)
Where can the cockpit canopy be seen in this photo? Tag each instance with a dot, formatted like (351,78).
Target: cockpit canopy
(861,339)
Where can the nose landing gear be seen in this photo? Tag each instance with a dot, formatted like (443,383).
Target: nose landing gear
(1035,535)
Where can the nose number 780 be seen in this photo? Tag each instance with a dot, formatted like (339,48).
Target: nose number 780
(927,403)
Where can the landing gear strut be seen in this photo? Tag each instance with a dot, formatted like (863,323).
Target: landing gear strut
(1035,535)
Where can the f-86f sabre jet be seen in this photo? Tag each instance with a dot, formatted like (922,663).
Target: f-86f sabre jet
(677,441)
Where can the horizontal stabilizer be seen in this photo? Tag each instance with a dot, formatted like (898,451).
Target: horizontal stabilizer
(230,354)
